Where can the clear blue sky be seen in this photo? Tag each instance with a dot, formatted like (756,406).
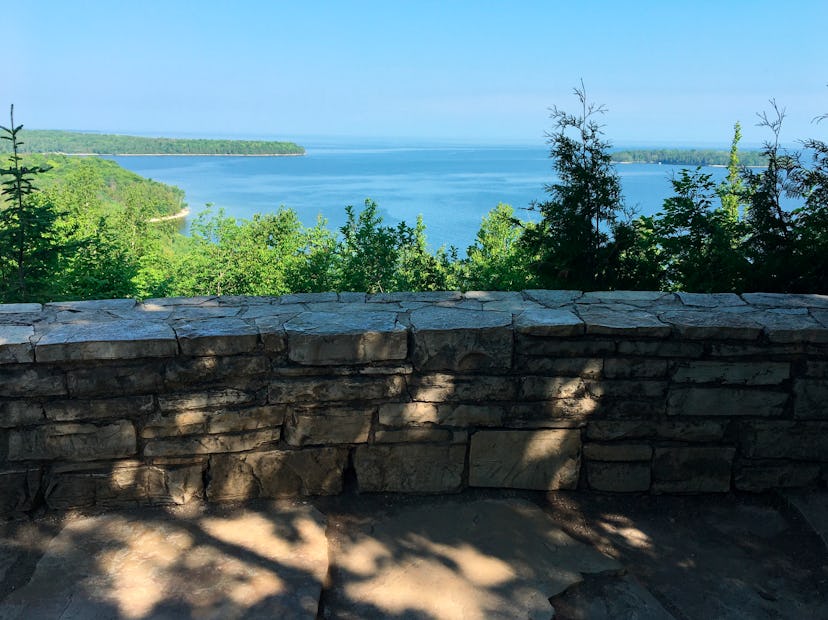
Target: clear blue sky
(481,71)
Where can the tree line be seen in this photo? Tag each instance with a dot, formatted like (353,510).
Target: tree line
(90,234)
(687,157)
(73,142)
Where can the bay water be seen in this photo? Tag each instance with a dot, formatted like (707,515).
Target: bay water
(452,187)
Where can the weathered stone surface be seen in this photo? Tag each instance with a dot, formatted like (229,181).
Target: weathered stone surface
(668,349)
(144,378)
(618,477)
(272,332)
(710,300)
(629,368)
(462,415)
(18,488)
(419,435)
(710,401)
(555,413)
(790,325)
(211,444)
(733,373)
(541,460)
(766,475)
(610,321)
(457,339)
(218,336)
(677,430)
(203,400)
(778,300)
(451,388)
(549,322)
(264,563)
(546,388)
(814,368)
(470,560)
(122,483)
(703,469)
(587,367)
(553,299)
(618,452)
(620,388)
(275,473)
(811,399)
(556,347)
(643,298)
(711,325)
(109,408)
(195,422)
(785,439)
(328,425)
(180,372)
(73,442)
(20,308)
(106,340)
(15,346)
(27,381)
(344,388)
(320,338)
(415,468)
(16,413)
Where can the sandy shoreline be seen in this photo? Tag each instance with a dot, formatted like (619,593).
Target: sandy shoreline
(175,216)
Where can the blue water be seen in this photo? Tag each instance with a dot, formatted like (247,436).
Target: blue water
(451,187)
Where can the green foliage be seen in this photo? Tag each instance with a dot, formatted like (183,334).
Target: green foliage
(572,241)
(498,260)
(71,142)
(686,157)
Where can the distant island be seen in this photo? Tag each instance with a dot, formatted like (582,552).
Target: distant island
(686,157)
(80,143)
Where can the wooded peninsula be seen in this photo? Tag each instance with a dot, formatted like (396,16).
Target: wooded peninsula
(81,143)
(688,157)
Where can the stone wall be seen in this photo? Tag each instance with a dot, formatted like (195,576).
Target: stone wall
(113,402)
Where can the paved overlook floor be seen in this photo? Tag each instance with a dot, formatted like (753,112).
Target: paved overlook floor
(475,555)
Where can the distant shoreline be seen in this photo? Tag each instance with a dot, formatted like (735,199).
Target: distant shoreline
(177,154)
(167,218)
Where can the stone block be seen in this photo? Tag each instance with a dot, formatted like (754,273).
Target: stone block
(444,387)
(272,332)
(216,336)
(705,324)
(549,322)
(30,309)
(15,413)
(556,413)
(200,422)
(757,476)
(586,367)
(121,339)
(620,388)
(330,425)
(25,381)
(552,299)
(618,452)
(414,468)
(811,399)
(673,430)
(816,369)
(715,401)
(123,483)
(733,373)
(15,344)
(546,388)
(636,298)
(786,325)
(121,380)
(419,435)
(101,409)
(785,439)
(202,400)
(618,477)
(342,388)
(786,300)
(668,348)
(323,338)
(542,460)
(631,368)
(710,300)
(702,469)
(458,415)
(408,414)
(461,340)
(18,488)
(211,444)
(181,372)
(608,320)
(561,347)
(73,442)
(276,474)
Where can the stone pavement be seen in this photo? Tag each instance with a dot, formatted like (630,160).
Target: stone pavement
(481,554)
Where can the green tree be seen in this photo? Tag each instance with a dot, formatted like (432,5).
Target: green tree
(572,241)
(28,244)
(731,190)
(498,260)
